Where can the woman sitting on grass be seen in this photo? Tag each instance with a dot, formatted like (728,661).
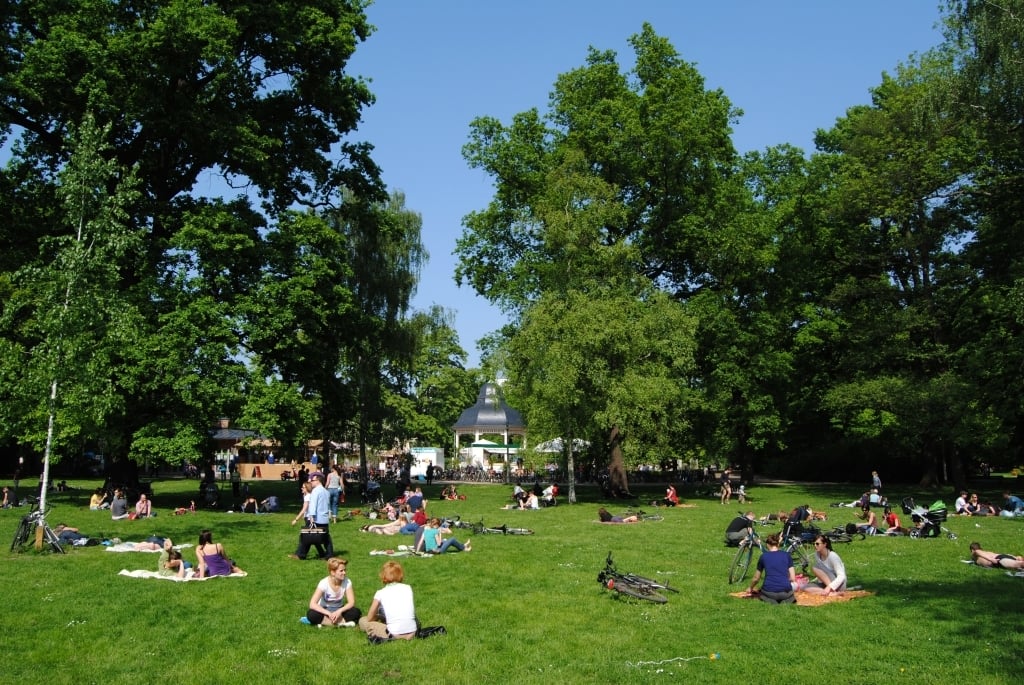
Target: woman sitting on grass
(392,614)
(892,521)
(334,601)
(870,525)
(170,562)
(213,561)
(779,577)
(828,569)
(434,542)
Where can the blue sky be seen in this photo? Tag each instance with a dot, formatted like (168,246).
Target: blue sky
(792,66)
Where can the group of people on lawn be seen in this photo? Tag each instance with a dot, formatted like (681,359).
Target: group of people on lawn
(118,505)
(392,612)
(972,505)
(777,576)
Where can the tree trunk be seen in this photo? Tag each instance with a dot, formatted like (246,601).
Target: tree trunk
(617,467)
(570,463)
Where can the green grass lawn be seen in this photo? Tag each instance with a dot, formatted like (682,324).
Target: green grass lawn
(517,609)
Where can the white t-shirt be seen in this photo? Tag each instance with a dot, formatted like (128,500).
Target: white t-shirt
(396,602)
(330,599)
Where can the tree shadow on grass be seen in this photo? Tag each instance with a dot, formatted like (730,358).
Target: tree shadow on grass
(980,607)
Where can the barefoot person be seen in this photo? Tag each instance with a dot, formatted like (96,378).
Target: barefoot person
(993,560)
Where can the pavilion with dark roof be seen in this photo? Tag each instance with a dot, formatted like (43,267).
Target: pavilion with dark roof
(490,415)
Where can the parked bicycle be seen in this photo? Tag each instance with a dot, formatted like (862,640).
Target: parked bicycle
(841,534)
(794,545)
(27,528)
(481,529)
(632,585)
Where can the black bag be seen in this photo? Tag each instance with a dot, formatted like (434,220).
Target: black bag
(312,536)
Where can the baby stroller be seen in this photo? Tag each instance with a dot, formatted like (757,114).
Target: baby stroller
(927,521)
(211,495)
(372,495)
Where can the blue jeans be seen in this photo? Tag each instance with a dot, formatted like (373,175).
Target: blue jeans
(450,542)
(335,496)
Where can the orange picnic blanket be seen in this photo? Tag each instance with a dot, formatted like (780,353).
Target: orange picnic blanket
(811,599)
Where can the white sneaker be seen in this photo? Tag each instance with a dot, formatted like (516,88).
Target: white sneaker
(347,624)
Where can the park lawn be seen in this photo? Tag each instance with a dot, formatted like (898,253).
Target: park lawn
(517,609)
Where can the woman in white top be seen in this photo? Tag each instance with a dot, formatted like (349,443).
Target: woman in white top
(828,568)
(392,615)
(334,601)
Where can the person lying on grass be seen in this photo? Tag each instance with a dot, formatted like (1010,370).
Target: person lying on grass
(389,528)
(993,560)
(606,517)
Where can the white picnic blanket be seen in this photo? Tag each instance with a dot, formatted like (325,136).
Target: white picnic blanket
(190,574)
(131,547)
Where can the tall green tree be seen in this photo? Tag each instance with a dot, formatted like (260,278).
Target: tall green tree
(607,367)
(252,96)
(871,321)
(989,93)
(385,252)
(439,385)
(628,182)
(65,322)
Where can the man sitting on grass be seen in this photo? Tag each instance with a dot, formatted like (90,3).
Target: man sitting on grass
(739,528)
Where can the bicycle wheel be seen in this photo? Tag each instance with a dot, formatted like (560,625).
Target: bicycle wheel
(21,536)
(840,537)
(643,592)
(801,557)
(653,517)
(53,541)
(740,563)
(518,531)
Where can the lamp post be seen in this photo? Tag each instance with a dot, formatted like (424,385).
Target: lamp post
(508,476)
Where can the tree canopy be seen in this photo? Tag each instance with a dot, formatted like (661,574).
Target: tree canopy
(270,272)
(840,300)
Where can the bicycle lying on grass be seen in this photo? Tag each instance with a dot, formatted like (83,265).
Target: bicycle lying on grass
(481,529)
(632,585)
(841,534)
(796,547)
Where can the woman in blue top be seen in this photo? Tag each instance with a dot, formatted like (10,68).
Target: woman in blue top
(434,543)
(779,577)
